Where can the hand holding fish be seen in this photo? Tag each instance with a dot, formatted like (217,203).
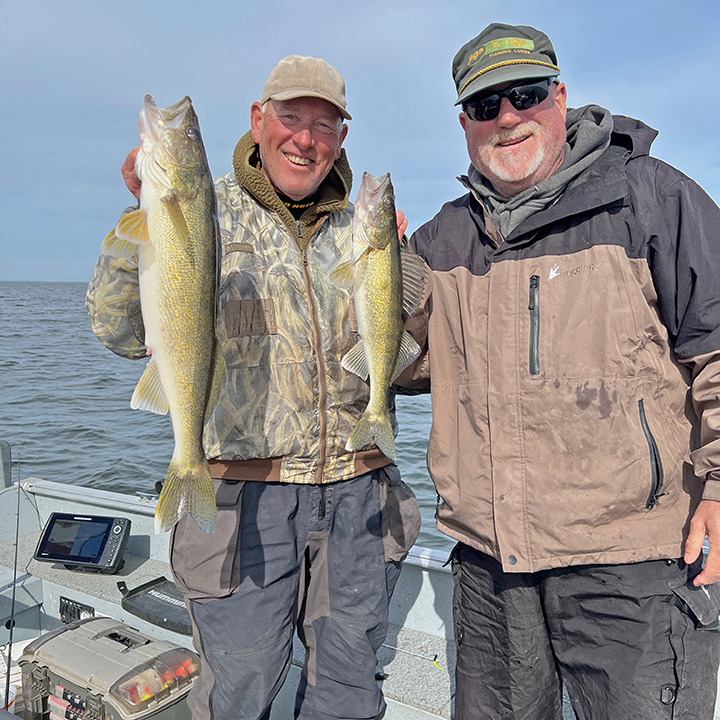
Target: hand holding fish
(402,224)
(132,181)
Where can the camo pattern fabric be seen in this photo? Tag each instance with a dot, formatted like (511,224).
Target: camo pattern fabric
(113,303)
(282,326)
(283,329)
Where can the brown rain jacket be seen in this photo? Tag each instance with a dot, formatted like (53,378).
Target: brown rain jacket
(562,358)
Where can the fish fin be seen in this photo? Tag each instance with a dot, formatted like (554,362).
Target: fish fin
(149,394)
(354,361)
(186,490)
(342,275)
(133,227)
(415,275)
(177,219)
(409,350)
(362,240)
(219,378)
(373,427)
(115,247)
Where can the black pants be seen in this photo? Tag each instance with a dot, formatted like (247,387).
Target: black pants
(626,641)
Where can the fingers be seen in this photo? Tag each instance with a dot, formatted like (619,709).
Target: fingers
(711,571)
(693,544)
(705,522)
(132,181)
(402,223)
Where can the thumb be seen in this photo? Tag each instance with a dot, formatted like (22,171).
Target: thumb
(694,542)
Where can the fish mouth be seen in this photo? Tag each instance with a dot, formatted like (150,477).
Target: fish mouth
(374,210)
(155,120)
(373,183)
(372,188)
(157,156)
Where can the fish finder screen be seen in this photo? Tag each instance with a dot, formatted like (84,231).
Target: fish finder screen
(76,540)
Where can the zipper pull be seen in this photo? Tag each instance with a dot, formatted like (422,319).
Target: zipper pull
(534,287)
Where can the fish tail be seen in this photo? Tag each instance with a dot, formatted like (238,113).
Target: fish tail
(373,426)
(187,490)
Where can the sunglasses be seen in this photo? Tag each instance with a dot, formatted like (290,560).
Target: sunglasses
(521,97)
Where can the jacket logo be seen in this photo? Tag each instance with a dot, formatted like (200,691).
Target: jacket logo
(555,270)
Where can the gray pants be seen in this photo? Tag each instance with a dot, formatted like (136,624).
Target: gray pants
(308,557)
(630,642)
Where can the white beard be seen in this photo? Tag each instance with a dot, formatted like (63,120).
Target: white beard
(510,165)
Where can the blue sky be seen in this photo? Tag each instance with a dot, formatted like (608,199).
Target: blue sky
(75,73)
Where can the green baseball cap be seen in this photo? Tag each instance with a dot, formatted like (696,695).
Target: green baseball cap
(501,54)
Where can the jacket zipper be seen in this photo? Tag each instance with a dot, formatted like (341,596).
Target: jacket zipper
(322,389)
(656,468)
(534,307)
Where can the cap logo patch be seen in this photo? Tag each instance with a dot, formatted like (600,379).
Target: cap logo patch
(501,45)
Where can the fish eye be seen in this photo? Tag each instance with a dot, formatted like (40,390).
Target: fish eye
(388,201)
(193,133)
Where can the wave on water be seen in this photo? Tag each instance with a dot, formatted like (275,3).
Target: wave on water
(65,404)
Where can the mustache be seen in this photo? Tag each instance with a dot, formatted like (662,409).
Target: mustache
(516,133)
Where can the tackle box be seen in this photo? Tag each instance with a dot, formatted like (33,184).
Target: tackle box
(102,669)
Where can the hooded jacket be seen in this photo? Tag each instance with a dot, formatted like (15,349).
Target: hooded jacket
(288,406)
(562,358)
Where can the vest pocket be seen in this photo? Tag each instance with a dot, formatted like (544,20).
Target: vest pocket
(656,468)
(534,307)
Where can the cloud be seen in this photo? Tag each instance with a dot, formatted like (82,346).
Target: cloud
(76,73)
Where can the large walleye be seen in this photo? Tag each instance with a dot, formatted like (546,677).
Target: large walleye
(384,281)
(175,234)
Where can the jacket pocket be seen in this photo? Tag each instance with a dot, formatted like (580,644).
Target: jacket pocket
(401,519)
(534,307)
(702,604)
(656,468)
(208,566)
(251,316)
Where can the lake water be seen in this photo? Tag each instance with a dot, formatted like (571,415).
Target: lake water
(65,405)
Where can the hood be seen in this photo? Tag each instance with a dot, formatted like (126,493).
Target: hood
(632,134)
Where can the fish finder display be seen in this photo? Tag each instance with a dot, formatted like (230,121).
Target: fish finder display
(72,538)
(84,542)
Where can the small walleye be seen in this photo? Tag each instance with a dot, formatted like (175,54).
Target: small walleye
(385,281)
(175,235)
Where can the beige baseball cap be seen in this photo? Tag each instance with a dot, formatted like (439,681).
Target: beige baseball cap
(297,76)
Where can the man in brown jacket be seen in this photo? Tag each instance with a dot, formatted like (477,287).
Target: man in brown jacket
(573,341)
